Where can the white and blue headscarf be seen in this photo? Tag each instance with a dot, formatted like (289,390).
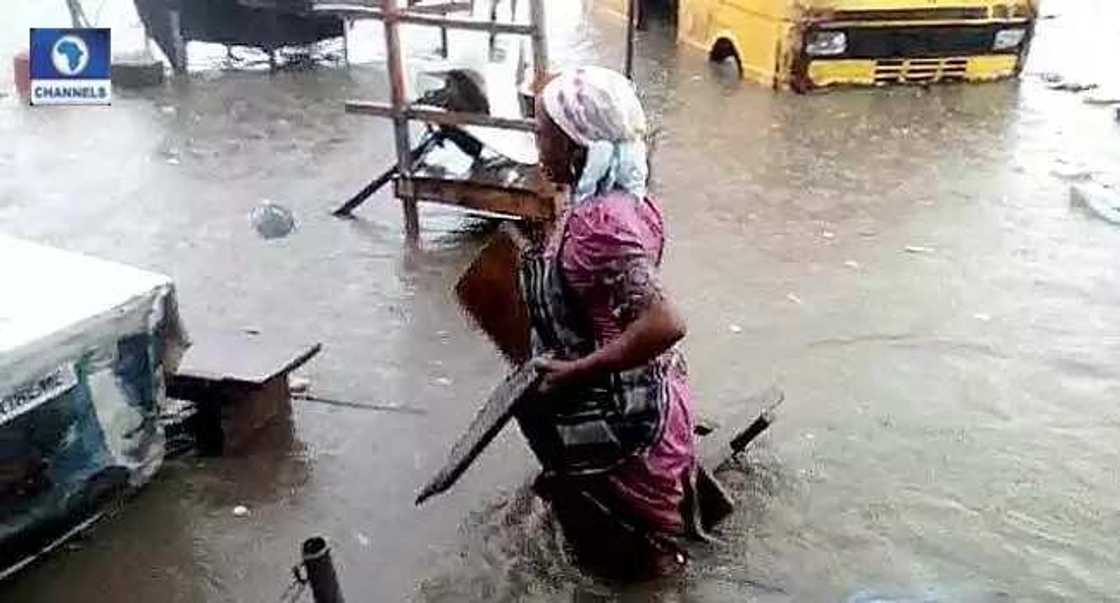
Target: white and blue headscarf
(599,109)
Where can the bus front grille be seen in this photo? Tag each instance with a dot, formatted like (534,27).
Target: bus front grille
(920,71)
(917,14)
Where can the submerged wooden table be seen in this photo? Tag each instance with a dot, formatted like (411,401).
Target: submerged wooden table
(239,383)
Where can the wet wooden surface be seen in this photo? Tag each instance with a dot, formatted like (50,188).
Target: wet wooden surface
(490,295)
(241,357)
(487,424)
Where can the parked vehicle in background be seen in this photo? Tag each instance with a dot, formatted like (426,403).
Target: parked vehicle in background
(808,44)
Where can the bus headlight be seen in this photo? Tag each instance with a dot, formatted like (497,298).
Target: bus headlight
(1006,39)
(826,43)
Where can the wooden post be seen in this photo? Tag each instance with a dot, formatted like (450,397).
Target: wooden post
(540,40)
(398,95)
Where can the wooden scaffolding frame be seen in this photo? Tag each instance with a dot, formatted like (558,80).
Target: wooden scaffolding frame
(539,201)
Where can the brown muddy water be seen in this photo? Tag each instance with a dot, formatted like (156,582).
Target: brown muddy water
(904,262)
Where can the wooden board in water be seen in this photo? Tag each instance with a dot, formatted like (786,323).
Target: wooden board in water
(490,295)
(487,424)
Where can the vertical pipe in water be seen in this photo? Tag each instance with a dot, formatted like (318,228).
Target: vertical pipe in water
(630,10)
(320,571)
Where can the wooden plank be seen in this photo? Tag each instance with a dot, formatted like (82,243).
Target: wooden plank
(467,194)
(439,116)
(440,9)
(467,24)
(491,418)
(241,358)
(415,18)
(489,292)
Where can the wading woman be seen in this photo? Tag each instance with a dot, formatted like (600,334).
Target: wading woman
(613,428)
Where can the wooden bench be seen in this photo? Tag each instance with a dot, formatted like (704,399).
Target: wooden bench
(239,384)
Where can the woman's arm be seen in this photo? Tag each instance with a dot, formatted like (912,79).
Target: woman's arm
(655,330)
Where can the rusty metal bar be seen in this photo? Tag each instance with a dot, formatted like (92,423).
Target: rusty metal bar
(415,18)
(398,94)
(439,116)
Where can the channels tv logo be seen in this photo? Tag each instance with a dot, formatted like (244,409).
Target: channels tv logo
(70,67)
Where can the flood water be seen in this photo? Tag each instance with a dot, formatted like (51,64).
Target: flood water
(904,262)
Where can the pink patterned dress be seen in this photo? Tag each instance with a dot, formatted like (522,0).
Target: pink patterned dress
(610,257)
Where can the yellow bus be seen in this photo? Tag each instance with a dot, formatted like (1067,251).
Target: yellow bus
(808,44)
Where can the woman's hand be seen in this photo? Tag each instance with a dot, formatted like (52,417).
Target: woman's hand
(656,330)
(556,374)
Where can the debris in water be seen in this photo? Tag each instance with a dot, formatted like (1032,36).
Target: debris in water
(793,298)
(1071,172)
(854,265)
(172,161)
(917,249)
(828,234)
(983,317)
(362,539)
(168,110)
(1101,98)
(1102,200)
(1070,86)
(736,329)
(272,221)
(241,511)
(444,381)
(299,385)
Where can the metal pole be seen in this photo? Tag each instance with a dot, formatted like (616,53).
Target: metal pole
(493,18)
(320,571)
(540,41)
(399,100)
(630,9)
(346,41)
(178,44)
(77,15)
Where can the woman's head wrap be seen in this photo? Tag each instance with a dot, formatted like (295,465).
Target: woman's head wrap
(599,109)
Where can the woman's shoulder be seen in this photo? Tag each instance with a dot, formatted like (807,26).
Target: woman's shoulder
(616,214)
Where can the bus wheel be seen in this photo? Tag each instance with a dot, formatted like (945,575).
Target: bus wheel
(723,50)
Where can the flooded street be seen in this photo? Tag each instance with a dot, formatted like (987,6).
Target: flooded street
(904,262)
